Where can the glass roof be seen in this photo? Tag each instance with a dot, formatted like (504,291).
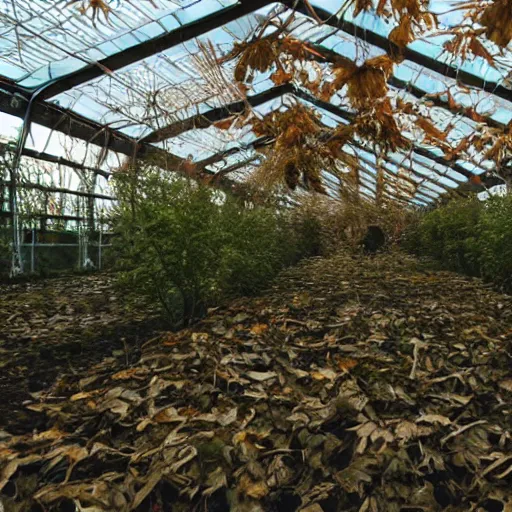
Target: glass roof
(166,87)
(42,42)
(451,13)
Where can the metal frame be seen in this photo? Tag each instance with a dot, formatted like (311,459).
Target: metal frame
(82,128)
(243,8)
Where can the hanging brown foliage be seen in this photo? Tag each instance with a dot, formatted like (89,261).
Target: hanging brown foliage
(497,20)
(264,54)
(254,56)
(362,6)
(403,34)
(297,166)
(289,127)
(298,156)
(413,17)
(496,144)
(365,83)
(379,127)
(432,133)
(464,44)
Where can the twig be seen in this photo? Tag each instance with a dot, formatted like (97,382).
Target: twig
(418,344)
(461,430)
(279,451)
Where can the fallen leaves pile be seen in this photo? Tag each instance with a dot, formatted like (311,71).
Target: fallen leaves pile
(48,327)
(353,384)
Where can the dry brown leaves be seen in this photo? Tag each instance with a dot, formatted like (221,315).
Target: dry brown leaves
(353,385)
(380,127)
(468,43)
(289,127)
(294,166)
(378,120)
(365,84)
(497,20)
(268,52)
(298,156)
(413,17)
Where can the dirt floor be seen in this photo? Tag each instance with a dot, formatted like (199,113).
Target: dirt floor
(53,328)
(353,384)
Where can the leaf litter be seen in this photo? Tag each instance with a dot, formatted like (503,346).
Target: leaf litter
(358,384)
(53,327)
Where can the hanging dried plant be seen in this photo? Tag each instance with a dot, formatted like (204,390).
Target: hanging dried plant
(365,83)
(466,43)
(264,54)
(295,167)
(255,56)
(379,127)
(496,144)
(413,17)
(497,20)
(403,34)
(432,133)
(289,127)
(299,156)
(362,6)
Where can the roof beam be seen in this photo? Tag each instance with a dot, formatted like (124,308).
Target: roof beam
(348,116)
(243,8)
(46,157)
(59,190)
(154,46)
(332,56)
(206,119)
(56,118)
(438,102)
(74,125)
(218,157)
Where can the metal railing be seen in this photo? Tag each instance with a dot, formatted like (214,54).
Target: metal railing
(83,246)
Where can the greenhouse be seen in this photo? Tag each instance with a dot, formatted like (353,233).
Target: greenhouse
(255,256)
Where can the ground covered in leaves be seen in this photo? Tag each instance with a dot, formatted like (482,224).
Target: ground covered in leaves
(53,327)
(352,385)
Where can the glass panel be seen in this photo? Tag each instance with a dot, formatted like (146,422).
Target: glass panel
(40,41)
(430,44)
(9,127)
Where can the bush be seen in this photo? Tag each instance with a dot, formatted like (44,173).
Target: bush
(469,236)
(448,234)
(495,241)
(189,246)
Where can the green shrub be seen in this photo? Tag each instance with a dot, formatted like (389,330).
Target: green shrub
(449,234)
(470,236)
(495,241)
(189,246)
